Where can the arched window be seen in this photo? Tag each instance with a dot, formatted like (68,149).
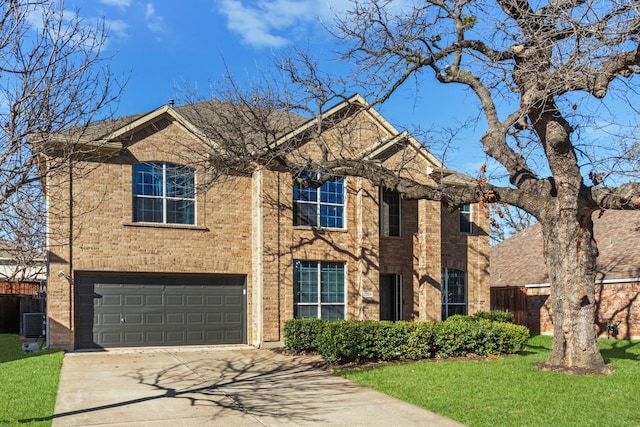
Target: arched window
(453,289)
(163,193)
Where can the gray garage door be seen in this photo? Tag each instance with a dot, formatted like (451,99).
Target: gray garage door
(125,310)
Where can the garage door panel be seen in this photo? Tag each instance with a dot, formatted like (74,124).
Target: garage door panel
(111,300)
(195,300)
(153,318)
(133,300)
(153,300)
(159,310)
(174,300)
(195,318)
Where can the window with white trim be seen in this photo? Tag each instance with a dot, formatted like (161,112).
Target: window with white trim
(320,207)
(163,193)
(465,219)
(319,289)
(389,213)
(453,290)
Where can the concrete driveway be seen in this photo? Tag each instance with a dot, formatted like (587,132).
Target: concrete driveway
(219,386)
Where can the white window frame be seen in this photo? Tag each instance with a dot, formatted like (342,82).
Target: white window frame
(318,207)
(163,197)
(318,303)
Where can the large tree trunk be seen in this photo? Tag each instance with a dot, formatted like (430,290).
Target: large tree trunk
(570,254)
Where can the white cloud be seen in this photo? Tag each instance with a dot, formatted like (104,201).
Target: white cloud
(122,4)
(154,22)
(117,28)
(259,24)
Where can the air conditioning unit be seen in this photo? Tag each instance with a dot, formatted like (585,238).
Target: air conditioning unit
(34,325)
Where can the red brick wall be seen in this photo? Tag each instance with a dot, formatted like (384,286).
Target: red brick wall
(619,302)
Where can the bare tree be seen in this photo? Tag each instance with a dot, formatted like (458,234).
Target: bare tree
(52,78)
(528,63)
(507,221)
(535,68)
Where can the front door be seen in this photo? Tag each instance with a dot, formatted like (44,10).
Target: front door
(390,297)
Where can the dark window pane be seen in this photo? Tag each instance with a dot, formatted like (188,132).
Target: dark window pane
(457,309)
(147,209)
(180,212)
(390,213)
(332,312)
(305,214)
(306,311)
(465,219)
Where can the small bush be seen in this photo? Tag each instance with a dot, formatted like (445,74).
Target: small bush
(301,335)
(421,338)
(495,316)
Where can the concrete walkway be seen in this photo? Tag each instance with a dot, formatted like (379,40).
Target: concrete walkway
(219,387)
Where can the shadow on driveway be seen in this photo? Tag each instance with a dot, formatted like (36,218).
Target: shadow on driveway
(242,387)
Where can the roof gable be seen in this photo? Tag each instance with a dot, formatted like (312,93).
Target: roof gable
(380,149)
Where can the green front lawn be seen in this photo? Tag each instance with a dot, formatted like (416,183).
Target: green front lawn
(510,391)
(28,384)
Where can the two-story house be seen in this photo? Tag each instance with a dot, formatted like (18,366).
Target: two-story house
(141,255)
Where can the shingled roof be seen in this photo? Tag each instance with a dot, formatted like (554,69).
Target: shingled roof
(519,261)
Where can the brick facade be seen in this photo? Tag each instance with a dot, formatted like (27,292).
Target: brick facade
(244,225)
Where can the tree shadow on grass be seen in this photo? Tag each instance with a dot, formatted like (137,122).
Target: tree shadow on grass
(621,350)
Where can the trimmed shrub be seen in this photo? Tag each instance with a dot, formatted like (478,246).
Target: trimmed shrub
(301,335)
(421,338)
(347,341)
(495,316)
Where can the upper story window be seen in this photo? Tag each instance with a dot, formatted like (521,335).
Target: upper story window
(465,219)
(320,207)
(163,193)
(389,213)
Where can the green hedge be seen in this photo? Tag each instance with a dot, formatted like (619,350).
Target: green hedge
(496,316)
(346,341)
(301,334)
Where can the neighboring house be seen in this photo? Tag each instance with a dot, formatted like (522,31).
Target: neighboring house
(144,257)
(519,280)
(22,278)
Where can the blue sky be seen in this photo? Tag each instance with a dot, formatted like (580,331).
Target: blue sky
(161,45)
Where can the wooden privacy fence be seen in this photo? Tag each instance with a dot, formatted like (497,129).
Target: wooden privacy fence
(512,299)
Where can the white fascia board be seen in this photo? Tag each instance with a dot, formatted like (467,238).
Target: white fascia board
(153,115)
(357,100)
